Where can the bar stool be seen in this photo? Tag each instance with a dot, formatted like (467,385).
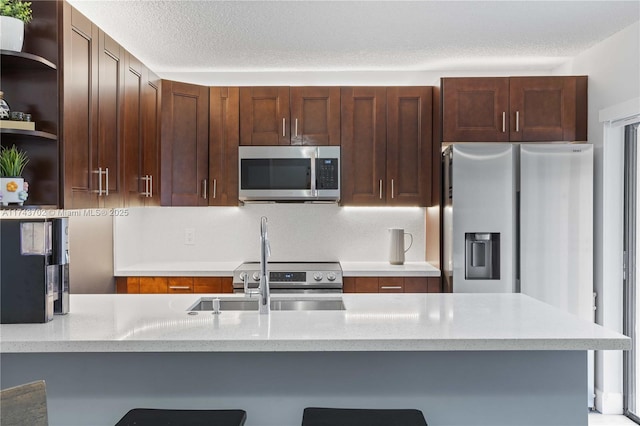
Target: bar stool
(158,417)
(361,417)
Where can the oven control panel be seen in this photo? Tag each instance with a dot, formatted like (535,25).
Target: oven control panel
(291,276)
(287,277)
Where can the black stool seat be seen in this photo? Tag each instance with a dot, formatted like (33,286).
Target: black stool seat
(155,417)
(361,417)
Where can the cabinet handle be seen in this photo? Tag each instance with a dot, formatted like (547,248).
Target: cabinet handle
(381,189)
(283,128)
(179,287)
(99,173)
(390,287)
(215,185)
(504,121)
(517,121)
(204,188)
(296,127)
(106,181)
(392,196)
(99,181)
(148,186)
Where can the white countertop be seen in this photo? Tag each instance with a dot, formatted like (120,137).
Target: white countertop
(178,269)
(371,322)
(385,269)
(225,269)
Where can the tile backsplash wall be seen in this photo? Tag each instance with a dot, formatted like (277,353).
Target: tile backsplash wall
(297,232)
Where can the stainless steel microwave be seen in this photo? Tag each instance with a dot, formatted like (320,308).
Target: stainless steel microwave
(289,173)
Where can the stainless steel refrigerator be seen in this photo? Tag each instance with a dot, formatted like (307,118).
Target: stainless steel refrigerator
(520,218)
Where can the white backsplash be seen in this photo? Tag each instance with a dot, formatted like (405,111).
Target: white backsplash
(297,232)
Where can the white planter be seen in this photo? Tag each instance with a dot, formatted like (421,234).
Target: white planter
(11,33)
(12,190)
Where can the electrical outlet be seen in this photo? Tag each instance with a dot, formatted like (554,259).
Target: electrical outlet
(189,236)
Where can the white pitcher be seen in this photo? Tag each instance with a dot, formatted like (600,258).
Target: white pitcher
(396,246)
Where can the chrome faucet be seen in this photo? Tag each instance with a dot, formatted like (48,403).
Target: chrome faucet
(265,252)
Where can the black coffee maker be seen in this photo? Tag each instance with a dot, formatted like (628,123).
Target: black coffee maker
(34,272)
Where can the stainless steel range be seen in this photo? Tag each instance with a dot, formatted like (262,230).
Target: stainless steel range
(292,277)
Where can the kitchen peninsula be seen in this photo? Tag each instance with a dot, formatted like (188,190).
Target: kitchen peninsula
(463,359)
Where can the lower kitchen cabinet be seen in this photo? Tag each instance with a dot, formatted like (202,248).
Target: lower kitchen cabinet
(146,285)
(391,285)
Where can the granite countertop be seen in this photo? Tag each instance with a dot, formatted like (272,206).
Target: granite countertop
(225,269)
(371,322)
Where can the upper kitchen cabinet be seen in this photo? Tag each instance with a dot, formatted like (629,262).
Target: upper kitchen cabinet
(93,114)
(141,134)
(184,144)
(30,82)
(364,145)
(110,122)
(386,146)
(264,116)
(516,109)
(80,110)
(315,115)
(290,116)
(151,109)
(475,109)
(548,108)
(409,138)
(224,138)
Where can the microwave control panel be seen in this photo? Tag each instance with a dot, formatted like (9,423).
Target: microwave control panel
(327,175)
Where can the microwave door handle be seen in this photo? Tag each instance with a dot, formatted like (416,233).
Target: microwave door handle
(314,191)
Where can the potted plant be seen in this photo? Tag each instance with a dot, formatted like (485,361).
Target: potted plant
(14,14)
(13,188)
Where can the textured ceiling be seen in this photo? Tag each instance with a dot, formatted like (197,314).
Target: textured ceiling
(223,36)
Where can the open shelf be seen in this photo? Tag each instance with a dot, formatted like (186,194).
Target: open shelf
(29,133)
(22,60)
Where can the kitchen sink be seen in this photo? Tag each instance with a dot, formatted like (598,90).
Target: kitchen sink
(277,304)
(307,305)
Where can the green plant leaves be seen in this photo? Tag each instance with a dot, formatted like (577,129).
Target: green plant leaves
(12,161)
(16,9)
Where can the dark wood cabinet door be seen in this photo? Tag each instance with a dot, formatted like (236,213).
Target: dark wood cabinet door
(224,138)
(80,107)
(475,109)
(548,108)
(213,285)
(409,133)
(363,145)
(110,102)
(184,144)
(422,285)
(391,285)
(264,116)
(132,138)
(151,102)
(315,115)
(180,284)
(151,285)
(366,284)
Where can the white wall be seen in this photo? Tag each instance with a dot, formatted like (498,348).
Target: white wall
(341,78)
(297,232)
(613,67)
